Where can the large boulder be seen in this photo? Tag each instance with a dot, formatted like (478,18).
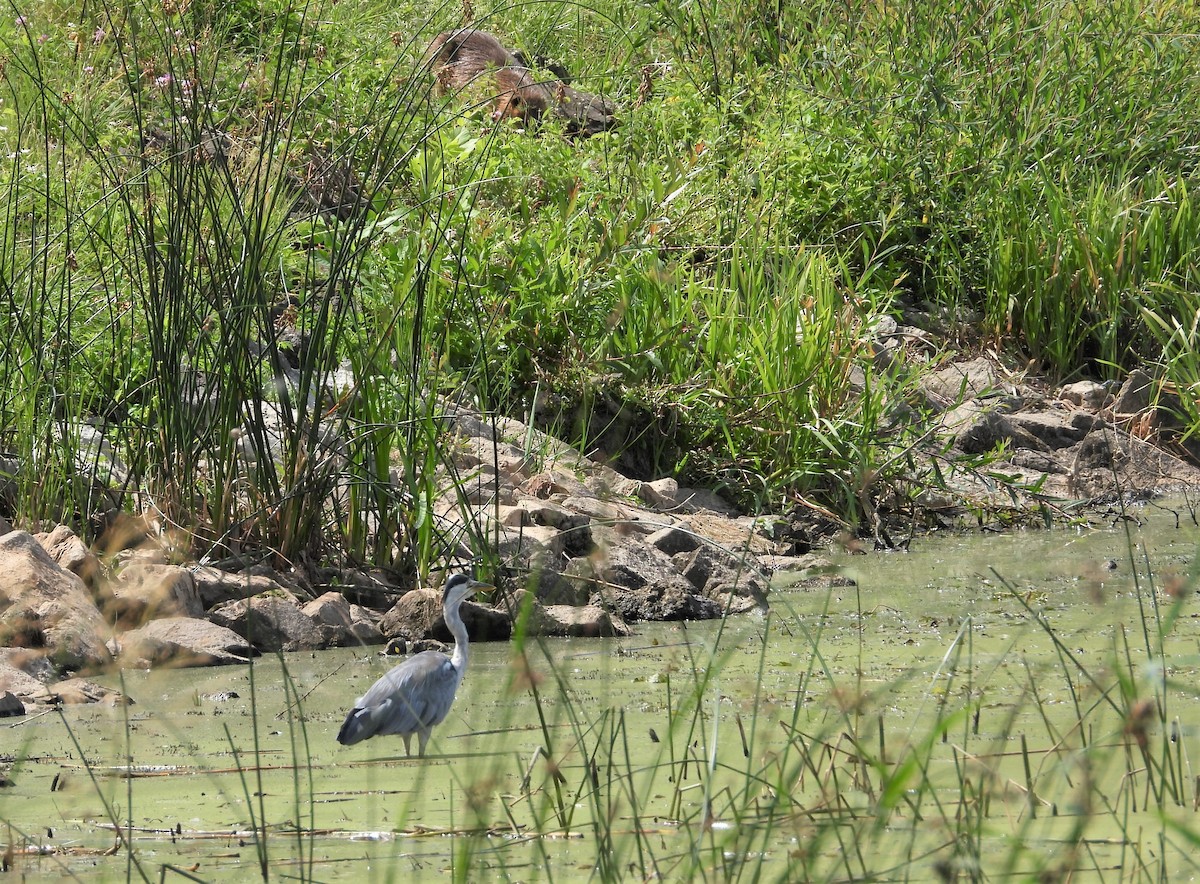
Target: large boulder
(583,620)
(216,586)
(1085,394)
(341,623)
(71,553)
(44,606)
(665,600)
(1135,394)
(271,623)
(418,615)
(183,641)
(146,591)
(674,539)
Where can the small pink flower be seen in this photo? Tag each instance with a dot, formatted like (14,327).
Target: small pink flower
(98,37)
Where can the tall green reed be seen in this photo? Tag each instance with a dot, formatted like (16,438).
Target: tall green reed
(181,236)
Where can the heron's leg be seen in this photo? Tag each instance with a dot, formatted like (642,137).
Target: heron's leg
(423,738)
(407,748)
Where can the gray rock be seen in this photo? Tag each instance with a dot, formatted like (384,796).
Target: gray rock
(478,451)
(623,560)
(270,622)
(25,685)
(1086,394)
(693,500)
(741,535)
(1096,452)
(575,534)
(469,425)
(594,508)
(364,626)
(669,600)
(961,381)
(216,586)
(673,540)
(1135,394)
(340,623)
(1055,429)
(989,429)
(1039,461)
(483,487)
(418,615)
(525,548)
(718,575)
(583,620)
(778,564)
(143,591)
(553,483)
(639,582)
(546,581)
(331,613)
(45,606)
(183,641)
(660,494)
(515,517)
(730,599)
(564,620)
(10,705)
(71,553)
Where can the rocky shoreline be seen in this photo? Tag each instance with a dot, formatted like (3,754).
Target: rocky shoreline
(580,548)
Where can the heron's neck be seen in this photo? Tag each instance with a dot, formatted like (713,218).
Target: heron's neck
(459,630)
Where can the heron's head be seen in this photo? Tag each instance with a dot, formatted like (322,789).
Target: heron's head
(460,587)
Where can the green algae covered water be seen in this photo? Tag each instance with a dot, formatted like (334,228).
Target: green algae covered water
(983,707)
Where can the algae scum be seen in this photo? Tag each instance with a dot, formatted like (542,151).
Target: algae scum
(979,707)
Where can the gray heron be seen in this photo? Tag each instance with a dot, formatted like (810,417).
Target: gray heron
(417,694)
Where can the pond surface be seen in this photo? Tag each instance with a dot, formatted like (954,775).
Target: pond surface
(981,706)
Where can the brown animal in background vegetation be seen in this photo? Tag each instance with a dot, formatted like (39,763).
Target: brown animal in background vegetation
(582,113)
(464,58)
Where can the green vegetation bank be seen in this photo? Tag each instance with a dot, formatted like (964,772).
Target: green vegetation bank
(233,231)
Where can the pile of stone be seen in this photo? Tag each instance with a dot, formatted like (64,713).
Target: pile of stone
(582,551)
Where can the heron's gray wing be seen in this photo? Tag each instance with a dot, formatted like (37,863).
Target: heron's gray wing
(416,694)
